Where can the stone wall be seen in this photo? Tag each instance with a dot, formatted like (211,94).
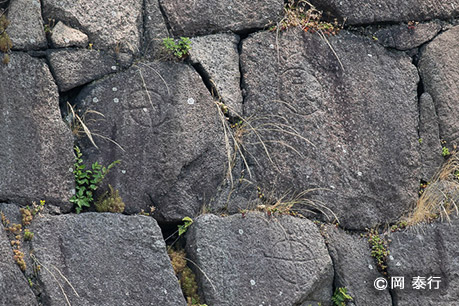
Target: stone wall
(286,133)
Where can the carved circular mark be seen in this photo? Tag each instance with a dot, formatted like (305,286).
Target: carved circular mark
(293,261)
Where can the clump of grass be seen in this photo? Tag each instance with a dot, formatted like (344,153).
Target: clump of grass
(185,275)
(379,249)
(110,201)
(300,13)
(439,198)
(294,204)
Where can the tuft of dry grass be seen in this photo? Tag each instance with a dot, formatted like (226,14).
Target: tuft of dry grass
(295,204)
(302,14)
(439,199)
(78,125)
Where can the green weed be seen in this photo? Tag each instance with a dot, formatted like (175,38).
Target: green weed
(179,48)
(87,181)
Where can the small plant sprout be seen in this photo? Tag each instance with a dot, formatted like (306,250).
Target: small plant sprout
(179,48)
(187,221)
(445,152)
(341,297)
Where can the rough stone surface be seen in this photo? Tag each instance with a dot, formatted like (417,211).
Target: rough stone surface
(427,251)
(155,29)
(375,11)
(355,269)
(26,25)
(198,17)
(430,138)
(14,289)
(405,37)
(64,36)
(109,24)
(11,212)
(439,69)
(73,67)
(110,259)
(164,118)
(36,156)
(260,261)
(362,123)
(219,58)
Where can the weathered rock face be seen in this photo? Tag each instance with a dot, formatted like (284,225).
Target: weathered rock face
(107,23)
(109,259)
(219,58)
(36,158)
(14,289)
(155,29)
(424,252)
(429,138)
(373,11)
(74,67)
(63,36)
(355,269)
(165,120)
(405,37)
(260,261)
(439,69)
(198,17)
(356,129)
(26,27)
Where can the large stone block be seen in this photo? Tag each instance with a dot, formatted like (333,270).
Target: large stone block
(110,259)
(375,11)
(26,27)
(350,135)
(109,24)
(219,58)
(36,155)
(355,268)
(73,67)
(163,117)
(198,17)
(423,252)
(255,260)
(439,69)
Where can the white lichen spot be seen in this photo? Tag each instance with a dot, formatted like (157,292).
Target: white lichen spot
(332,187)
(113,68)
(165,291)
(280,293)
(370,267)
(70,169)
(229,7)
(241,232)
(190,101)
(398,264)
(369,55)
(391,257)
(359,173)
(114,89)
(252,282)
(198,250)
(66,40)
(149,17)
(123,171)
(116,100)
(32,41)
(271,46)
(95,100)
(145,109)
